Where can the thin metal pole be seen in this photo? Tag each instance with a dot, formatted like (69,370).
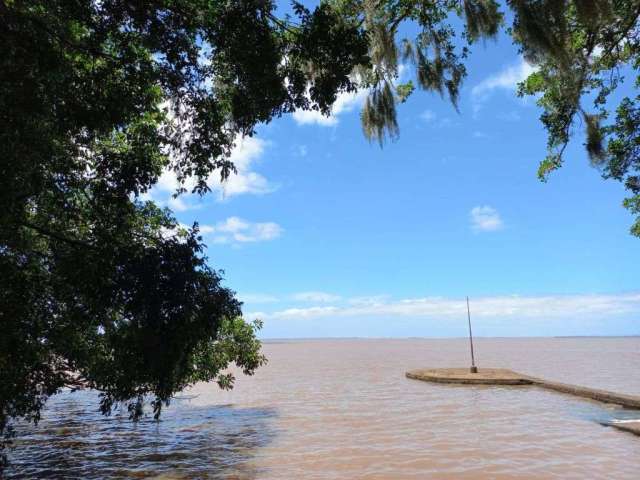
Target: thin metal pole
(474,369)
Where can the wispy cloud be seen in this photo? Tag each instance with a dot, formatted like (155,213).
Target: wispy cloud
(431,118)
(369,300)
(306,297)
(235,230)
(300,150)
(258,298)
(318,297)
(498,307)
(509,116)
(428,116)
(506,79)
(485,219)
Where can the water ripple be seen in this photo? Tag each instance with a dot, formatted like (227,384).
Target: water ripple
(343,409)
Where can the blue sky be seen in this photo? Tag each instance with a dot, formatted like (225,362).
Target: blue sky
(324,234)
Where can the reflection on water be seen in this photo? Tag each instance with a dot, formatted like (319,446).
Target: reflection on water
(74,441)
(342,409)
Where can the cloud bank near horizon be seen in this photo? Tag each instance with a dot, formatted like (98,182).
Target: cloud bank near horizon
(495,306)
(496,315)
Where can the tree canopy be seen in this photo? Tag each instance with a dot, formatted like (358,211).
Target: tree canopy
(100,289)
(581,51)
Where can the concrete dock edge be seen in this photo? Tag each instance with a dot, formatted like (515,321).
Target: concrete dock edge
(501,376)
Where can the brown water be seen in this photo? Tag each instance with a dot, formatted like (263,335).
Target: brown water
(342,409)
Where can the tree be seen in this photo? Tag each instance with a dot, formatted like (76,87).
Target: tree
(582,50)
(99,289)
(435,52)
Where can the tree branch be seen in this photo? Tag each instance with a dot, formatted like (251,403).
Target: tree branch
(57,236)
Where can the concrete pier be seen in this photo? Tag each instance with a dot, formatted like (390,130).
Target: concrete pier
(631,426)
(484,376)
(502,376)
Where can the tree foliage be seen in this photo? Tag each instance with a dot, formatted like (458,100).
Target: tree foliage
(97,288)
(583,50)
(435,53)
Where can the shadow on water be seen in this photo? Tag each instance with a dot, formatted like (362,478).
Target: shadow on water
(74,441)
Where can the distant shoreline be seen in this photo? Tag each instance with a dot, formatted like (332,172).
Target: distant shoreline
(298,339)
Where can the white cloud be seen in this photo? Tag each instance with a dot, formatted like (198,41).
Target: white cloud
(345,102)
(479,134)
(258,298)
(446,122)
(428,116)
(175,232)
(370,300)
(236,230)
(310,312)
(508,78)
(301,150)
(485,219)
(245,154)
(542,308)
(309,117)
(319,297)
